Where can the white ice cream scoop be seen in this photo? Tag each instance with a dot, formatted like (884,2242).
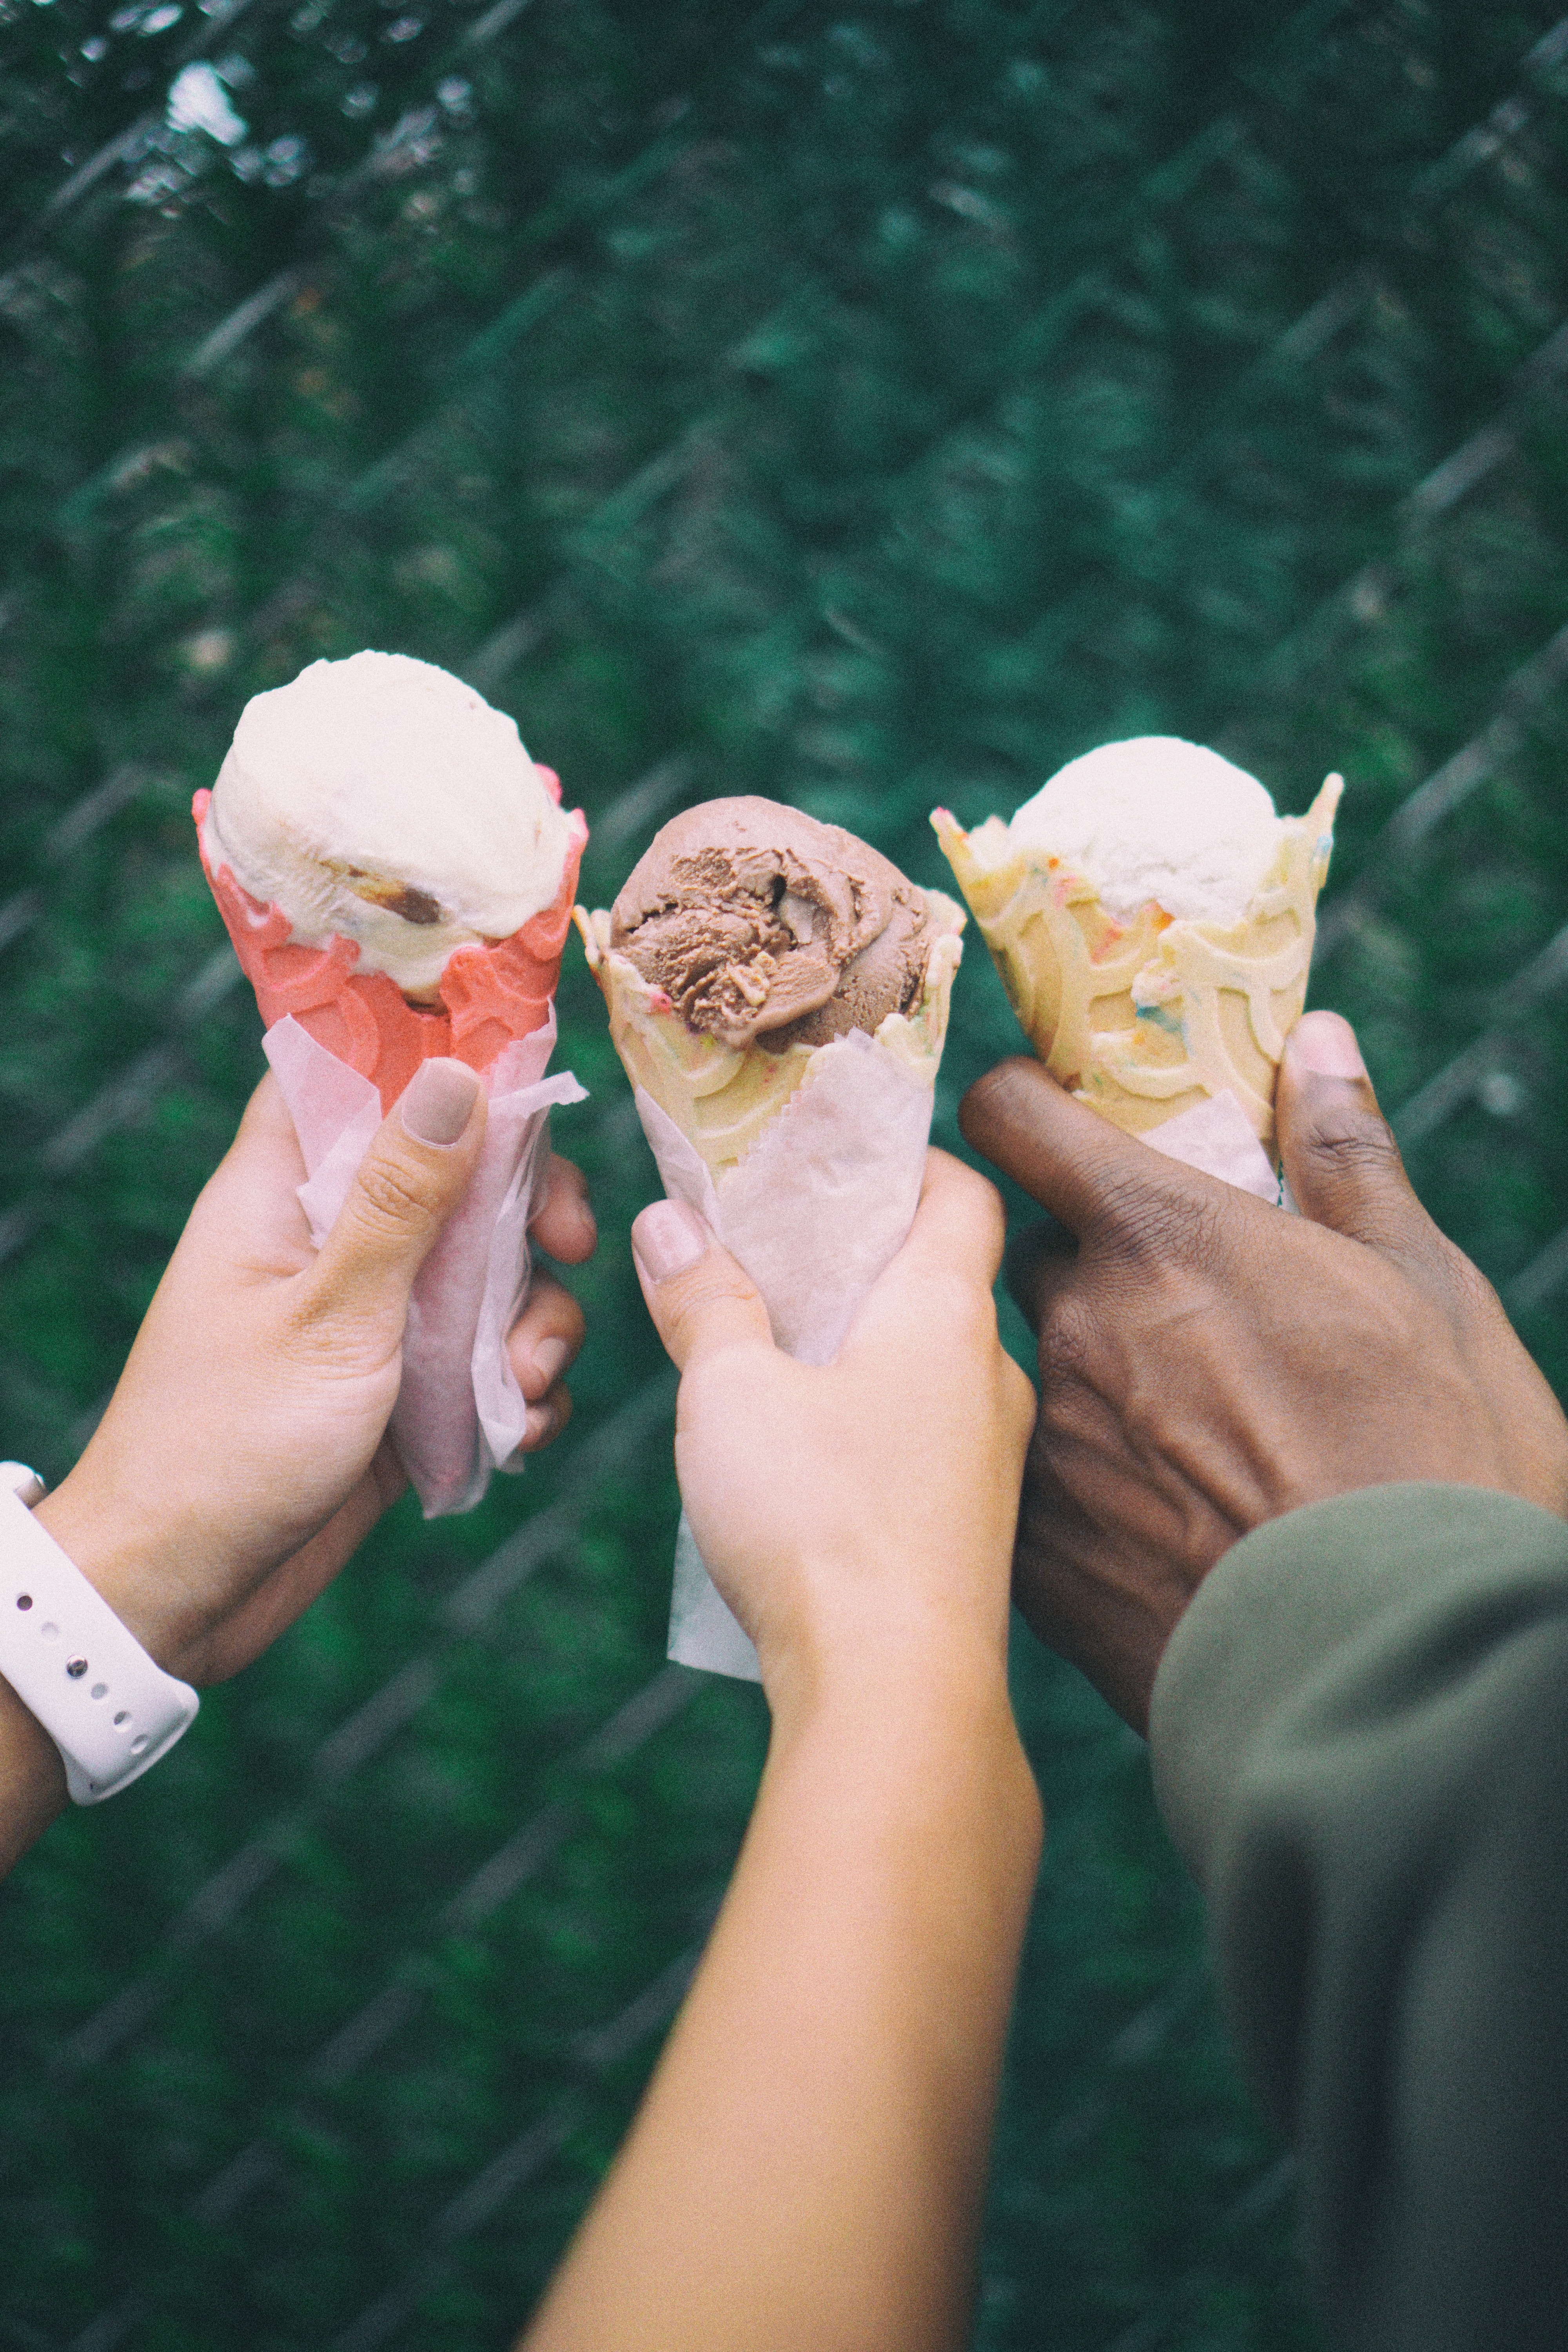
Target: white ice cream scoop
(1157,819)
(383,799)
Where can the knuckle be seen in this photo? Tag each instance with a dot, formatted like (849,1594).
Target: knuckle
(390,1195)
(1135,1223)
(1066,1339)
(1355,1145)
(707,1285)
(1471,1293)
(568,1321)
(1207,1233)
(1065,1414)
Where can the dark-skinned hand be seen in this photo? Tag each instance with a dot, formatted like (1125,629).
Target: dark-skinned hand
(1207,1363)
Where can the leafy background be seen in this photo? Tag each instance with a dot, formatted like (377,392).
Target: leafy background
(869,405)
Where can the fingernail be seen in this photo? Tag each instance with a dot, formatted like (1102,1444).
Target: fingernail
(439,1102)
(1325,1044)
(550,1360)
(538,1423)
(667,1238)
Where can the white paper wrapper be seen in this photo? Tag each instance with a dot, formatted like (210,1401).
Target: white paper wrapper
(1217,1138)
(459,1413)
(814,1212)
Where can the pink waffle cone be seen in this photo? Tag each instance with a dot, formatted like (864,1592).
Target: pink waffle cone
(489,997)
(343,1044)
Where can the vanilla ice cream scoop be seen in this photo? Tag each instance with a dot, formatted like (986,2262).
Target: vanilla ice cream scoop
(1155,820)
(382,799)
(1153,919)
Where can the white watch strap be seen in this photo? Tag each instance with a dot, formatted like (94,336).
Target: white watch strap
(110,1709)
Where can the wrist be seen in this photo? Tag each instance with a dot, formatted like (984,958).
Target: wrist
(915,1681)
(904,1638)
(77,1667)
(917,1752)
(125,1560)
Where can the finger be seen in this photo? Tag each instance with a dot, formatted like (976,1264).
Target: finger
(546,1337)
(252,1198)
(1342,1161)
(267,1116)
(409,1183)
(563,1222)
(958,1228)
(546,1421)
(1070,1159)
(1035,1258)
(700,1300)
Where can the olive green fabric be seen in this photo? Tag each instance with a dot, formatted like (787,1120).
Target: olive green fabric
(1359,1734)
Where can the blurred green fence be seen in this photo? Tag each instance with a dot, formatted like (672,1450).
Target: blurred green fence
(868,405)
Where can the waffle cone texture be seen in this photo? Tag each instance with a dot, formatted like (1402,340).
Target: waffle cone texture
(1148,1019)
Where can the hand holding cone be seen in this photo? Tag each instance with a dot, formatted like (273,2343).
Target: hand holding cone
(1144,1015)
(374,824)
(746,925)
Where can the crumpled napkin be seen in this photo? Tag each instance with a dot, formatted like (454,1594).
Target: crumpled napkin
(459,1413)
(814,1212)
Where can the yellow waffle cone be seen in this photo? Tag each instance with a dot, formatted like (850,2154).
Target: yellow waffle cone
(721,1099)
(1148,1019)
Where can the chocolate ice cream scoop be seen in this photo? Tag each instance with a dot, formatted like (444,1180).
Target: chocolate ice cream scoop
(757,921)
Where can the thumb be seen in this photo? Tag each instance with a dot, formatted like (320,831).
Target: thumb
(1339,1153)
(701,1300)
(408,1185)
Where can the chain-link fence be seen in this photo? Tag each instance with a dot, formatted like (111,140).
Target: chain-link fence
(873,406)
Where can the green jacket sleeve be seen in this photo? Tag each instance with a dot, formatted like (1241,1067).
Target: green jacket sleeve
(1359,1734)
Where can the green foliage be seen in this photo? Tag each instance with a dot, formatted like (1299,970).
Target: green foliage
(869,406)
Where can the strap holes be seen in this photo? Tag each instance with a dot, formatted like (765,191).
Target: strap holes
(24,1599)
(101,1690)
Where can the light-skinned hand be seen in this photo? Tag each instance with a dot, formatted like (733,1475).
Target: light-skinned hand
(244,1454)
(864,1506)
(807,2168)
(1208,1362)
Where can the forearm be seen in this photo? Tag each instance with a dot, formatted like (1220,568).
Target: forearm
(807,2168)
(1360,1744)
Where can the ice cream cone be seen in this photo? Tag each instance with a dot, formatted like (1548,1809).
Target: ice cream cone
(488,996)
(720,1098)
(1150,1018)
(397,876)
